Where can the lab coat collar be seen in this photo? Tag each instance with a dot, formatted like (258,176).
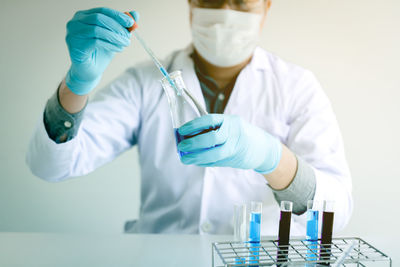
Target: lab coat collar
(184,62)
(260,60)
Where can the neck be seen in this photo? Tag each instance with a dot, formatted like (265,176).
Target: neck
(222,75)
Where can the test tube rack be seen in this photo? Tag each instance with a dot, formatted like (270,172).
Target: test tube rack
(299,252)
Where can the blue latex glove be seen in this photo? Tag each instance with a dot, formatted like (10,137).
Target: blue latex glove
(236,144)
(93,37)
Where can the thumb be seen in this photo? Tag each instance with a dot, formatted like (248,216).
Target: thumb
(135,15)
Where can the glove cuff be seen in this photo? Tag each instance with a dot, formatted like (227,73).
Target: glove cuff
(273,157)
(80,87)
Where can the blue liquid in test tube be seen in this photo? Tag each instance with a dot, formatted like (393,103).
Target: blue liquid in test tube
(312,225)
(254,232)
(312,233)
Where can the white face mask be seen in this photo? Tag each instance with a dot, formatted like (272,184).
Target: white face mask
(225,37)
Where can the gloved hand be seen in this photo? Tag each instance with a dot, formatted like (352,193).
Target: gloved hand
(236,144)
(93,37)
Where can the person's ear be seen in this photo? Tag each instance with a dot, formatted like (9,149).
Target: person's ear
(266,10)
(190,11)
(267,5)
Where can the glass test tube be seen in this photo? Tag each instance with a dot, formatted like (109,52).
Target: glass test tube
(255,231)
(312,230)
(284,230)
(327,228)
(312,220)
(240,223)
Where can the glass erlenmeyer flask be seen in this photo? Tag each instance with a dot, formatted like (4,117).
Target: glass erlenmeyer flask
(183,106)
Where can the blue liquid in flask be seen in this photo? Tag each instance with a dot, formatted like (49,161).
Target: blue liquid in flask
(179,137)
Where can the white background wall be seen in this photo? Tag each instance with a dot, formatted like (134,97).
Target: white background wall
(351,45)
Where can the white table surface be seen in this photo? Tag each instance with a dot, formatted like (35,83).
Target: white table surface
(46,249)
(61,250)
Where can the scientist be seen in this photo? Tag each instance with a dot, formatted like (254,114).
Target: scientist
(278,137)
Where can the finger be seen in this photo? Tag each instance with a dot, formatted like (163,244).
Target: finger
(93,43)
(208,156)
(107,46)
(205,140)
(101,20)
(201,123)
(120,17)
(227,162)
(85,31)
(135,15)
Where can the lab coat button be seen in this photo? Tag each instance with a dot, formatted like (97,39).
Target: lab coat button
(67,124)
(206,227)
(221,97)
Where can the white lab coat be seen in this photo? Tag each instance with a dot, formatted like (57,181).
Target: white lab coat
(281,98)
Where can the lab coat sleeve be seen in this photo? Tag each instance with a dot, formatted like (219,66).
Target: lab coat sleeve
(109,127)
(314,136)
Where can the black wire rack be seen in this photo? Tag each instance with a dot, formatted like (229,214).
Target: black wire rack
(298,253)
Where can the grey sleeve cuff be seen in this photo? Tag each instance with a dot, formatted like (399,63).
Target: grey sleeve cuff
(300,190)
(61,126)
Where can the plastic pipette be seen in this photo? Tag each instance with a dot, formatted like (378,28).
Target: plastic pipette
(151,54)
(344,254)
